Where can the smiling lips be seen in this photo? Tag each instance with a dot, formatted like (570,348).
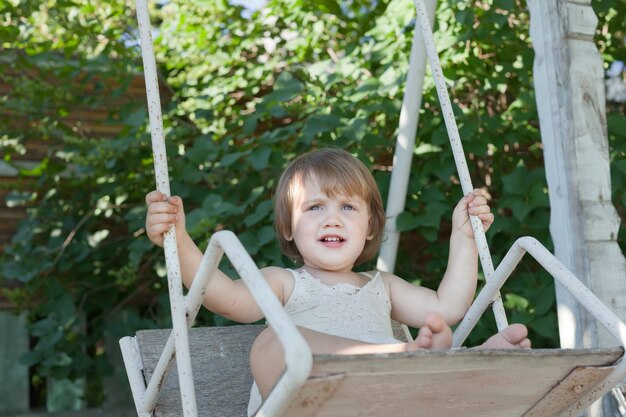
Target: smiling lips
(332,240)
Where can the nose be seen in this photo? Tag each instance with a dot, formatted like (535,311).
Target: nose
(332,218)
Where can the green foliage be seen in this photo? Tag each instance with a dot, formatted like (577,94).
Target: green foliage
(247,95)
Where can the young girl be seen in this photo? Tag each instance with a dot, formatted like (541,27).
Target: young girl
(329,218)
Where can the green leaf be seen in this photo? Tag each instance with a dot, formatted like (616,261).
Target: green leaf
(200,151)
(214,206)
(520,208)
(319,124)
(31,358)
(230,159)
(432,215)
(543,303)
(261,211)
(266,234)
(286,88)
(516,182)
(515,302)
(544,325)
(259,158)
(330,6)
(430,234)
(195,219)
(43,327)
(250,241)
(616,124)
(406,221)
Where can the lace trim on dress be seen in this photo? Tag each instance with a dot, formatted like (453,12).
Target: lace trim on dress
(347,310)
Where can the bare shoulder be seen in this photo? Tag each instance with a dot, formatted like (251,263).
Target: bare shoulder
(386,276)
(281,281)
(396,284)
(276,273)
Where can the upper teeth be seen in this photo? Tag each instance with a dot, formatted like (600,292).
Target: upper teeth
(332,239)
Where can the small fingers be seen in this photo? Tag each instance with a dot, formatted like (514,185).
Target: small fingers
(478,203)
(161,217)
(159,197)
(487,220)
(477,198)
(155,196)
(158,229)
(486,217)
(480,192)
(159,203)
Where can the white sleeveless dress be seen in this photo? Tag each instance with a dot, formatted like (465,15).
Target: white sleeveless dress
(359,313)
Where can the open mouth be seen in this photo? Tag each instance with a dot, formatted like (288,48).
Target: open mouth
(332,239)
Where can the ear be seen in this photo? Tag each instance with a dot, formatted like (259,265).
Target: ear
(370,235)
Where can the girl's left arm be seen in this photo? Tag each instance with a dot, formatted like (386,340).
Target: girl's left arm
(411,304)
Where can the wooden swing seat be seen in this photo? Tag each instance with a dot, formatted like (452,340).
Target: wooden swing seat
(467,382)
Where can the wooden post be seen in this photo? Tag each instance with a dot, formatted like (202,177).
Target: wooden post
(14,382)
(569,86)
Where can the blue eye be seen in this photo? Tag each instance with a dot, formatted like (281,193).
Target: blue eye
(315,207)
(347,207)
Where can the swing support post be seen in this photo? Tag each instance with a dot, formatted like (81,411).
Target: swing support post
(405,143)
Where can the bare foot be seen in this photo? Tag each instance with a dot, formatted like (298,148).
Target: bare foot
(435,334)
(512,337)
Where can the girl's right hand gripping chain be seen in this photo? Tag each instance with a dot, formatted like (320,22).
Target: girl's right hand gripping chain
(163,213)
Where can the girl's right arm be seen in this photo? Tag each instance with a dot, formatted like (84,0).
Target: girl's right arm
(226,297)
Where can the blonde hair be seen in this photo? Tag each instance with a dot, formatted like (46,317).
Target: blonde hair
(337,172)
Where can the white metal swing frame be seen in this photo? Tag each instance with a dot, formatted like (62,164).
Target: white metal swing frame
(298,357)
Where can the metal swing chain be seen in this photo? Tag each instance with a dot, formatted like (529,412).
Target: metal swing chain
(175,287)
(461,165)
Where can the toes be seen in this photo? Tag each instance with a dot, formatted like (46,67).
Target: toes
(435,322)
(424,338)
(515,333)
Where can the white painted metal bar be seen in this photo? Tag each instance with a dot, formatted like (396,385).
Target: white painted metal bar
(459,155)
(298,357)
(134,370)
(175,286)
(159,376)
(573,285)
(405,143)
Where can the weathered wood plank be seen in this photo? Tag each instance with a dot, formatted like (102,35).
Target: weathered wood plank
(14,382)
(468,382)
(568,390)
(219,359)
(471,383)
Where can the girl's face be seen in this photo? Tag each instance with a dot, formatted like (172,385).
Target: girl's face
(330,232)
